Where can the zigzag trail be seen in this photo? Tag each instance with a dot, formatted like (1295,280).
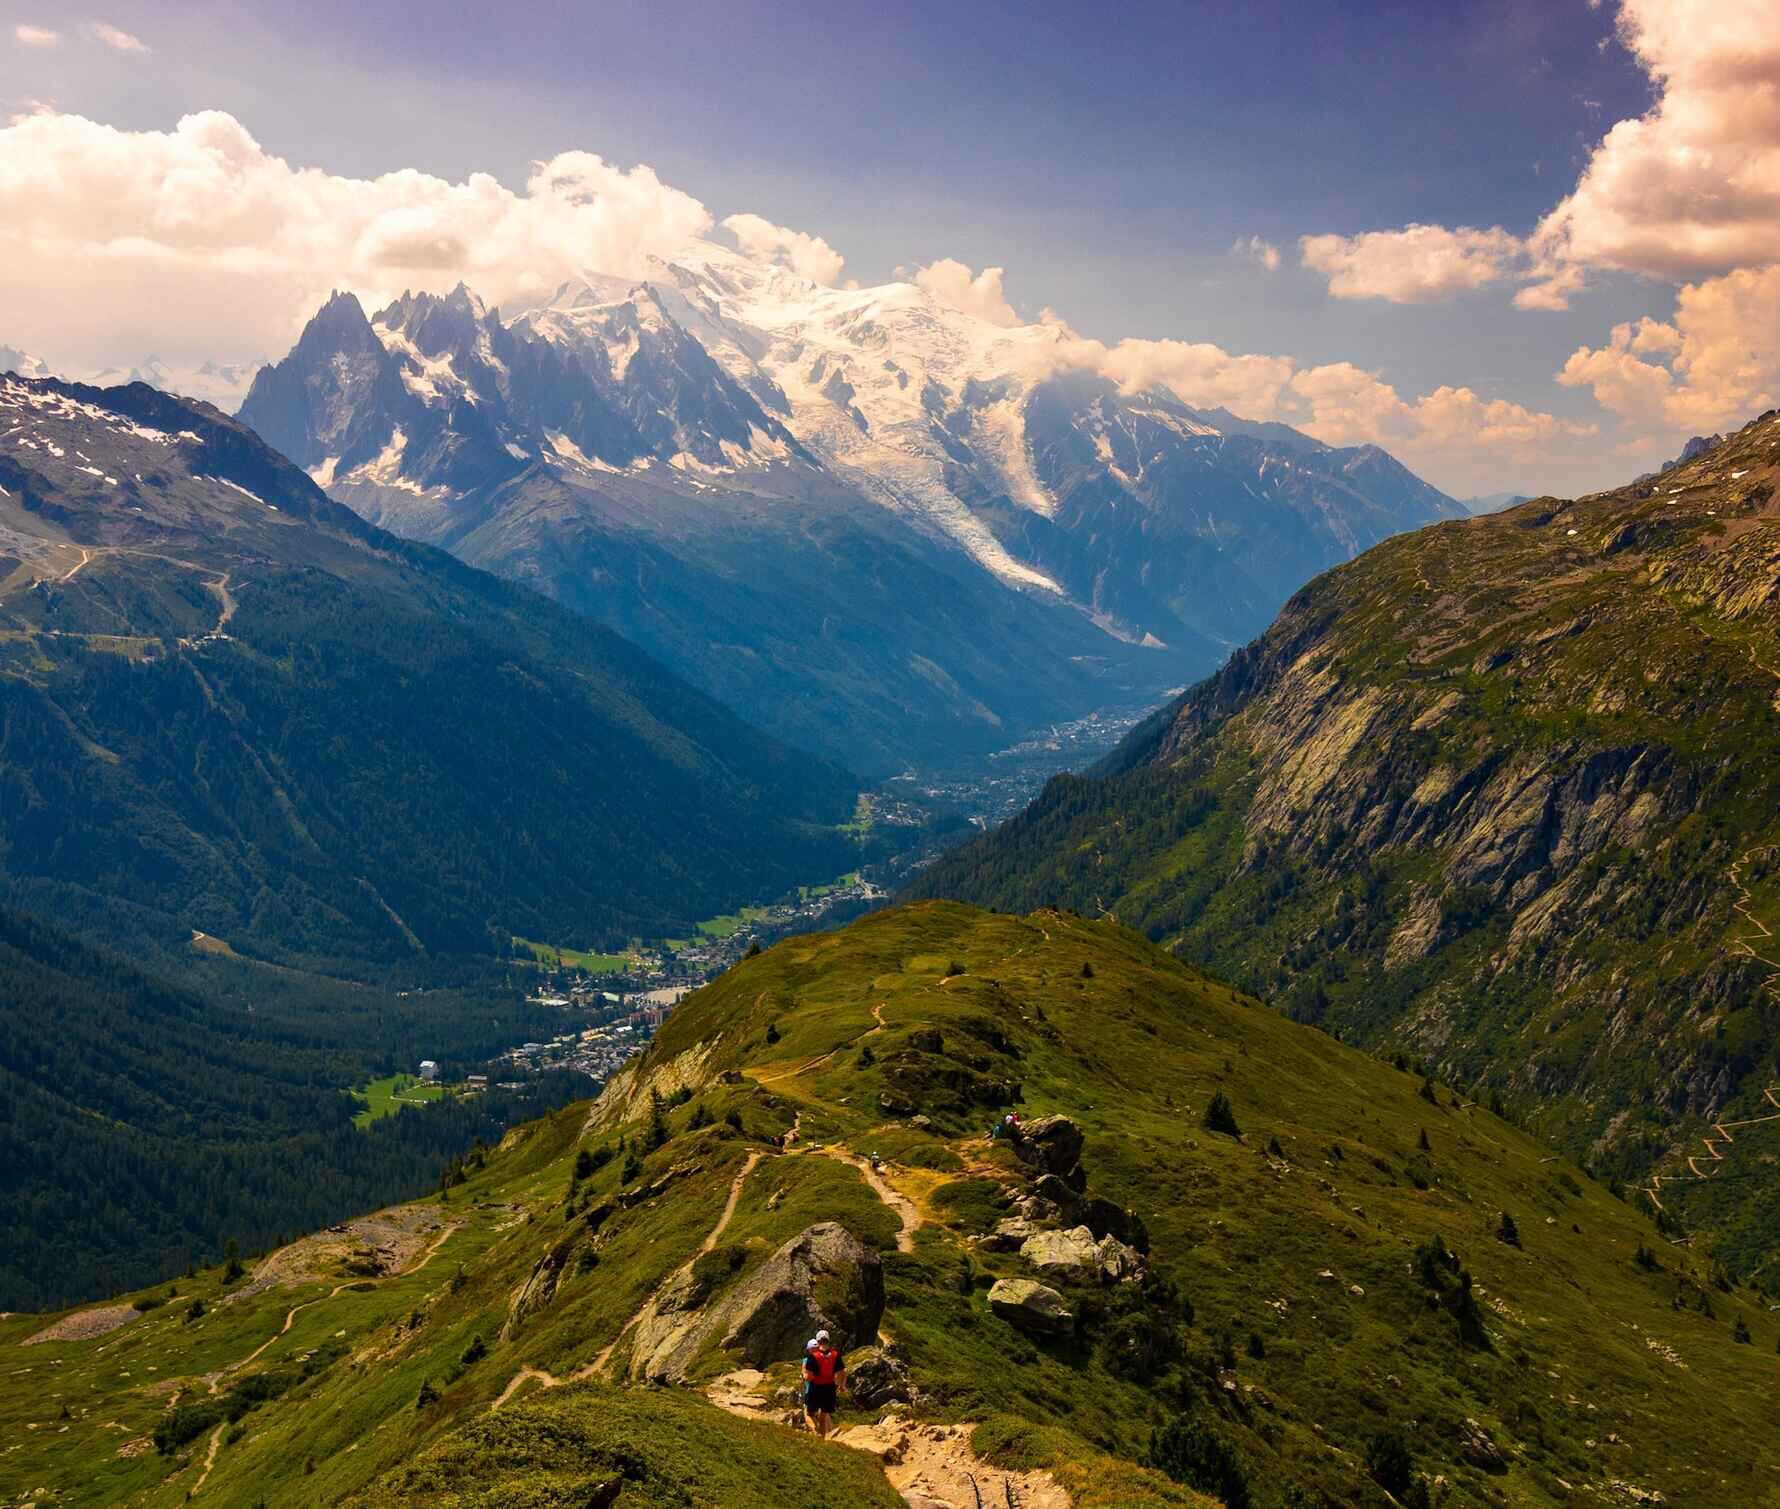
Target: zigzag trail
(1720,1135)
(216,1379)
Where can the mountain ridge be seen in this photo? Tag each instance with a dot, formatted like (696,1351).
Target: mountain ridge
(175,594)
(1496,794)
(729,435)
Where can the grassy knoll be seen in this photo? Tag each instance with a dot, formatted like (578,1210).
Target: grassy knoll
(384,1097)
(573,958)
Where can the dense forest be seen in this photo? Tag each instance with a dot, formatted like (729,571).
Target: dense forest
(143,1124)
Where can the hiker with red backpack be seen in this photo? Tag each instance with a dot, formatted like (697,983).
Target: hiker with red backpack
(824,1370)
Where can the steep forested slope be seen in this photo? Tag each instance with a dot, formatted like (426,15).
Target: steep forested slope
(142,1125)
(231,706)
(1504,793)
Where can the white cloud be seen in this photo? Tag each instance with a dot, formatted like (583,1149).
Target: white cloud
(1717,364)
(1457,438)
(806,255)
(1343,405)
(117,39)
(1256,249)
(149,240)
(1692,188)
(35,36)
(1414,265)
(951,283)
(198,243)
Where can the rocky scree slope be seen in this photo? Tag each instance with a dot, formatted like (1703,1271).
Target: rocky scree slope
(1342,1280)
(231,706)
(1499,794)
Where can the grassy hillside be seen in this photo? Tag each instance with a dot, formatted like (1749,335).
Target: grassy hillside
(1329,1285)
(1501,794)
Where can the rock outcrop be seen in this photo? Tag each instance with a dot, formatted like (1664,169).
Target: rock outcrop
(824,1278)
(1031,1306)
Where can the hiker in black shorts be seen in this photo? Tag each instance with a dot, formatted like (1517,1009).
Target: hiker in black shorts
(824,1370)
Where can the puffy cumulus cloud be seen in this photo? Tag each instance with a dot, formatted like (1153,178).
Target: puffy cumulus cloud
(1716,364)
(1692,188)
(1449,428)
(1414,265)
(1201,374)
(951,283)
(116,38)
(116,239)
(806,255)
(1257,249)
(35,36)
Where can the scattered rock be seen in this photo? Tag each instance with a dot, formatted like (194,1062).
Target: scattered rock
(1068,1256)
(644,1193)
(1478,1448)
(924,1123)
(1030,1306)
(877,1377)
(927,1040)
(894,1105)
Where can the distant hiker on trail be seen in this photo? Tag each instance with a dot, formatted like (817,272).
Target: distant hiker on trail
(1008,1127)
(824,1370)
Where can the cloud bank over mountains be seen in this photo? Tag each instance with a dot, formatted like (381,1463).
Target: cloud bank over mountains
(197,242)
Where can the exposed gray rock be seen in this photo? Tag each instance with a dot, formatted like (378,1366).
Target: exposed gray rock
(1478,1448)
(824,1277)
(1068,1256)
(1105,1219)
(876,1376)
(1053,1143)
(1118,1263)
(1010,1235)
(1030,1306)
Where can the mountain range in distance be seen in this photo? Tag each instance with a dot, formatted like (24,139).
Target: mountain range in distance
(875,526)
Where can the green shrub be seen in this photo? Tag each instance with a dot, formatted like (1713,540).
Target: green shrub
(1389,1463)
(1193,1452)
(1220,1116)
(1507,1231)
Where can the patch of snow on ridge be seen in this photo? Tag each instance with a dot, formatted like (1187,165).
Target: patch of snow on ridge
(568,451)
(237,487)
(386,470)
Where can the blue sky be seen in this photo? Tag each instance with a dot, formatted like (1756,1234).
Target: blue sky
(1106,157)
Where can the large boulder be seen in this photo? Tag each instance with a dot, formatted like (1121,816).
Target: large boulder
(876,1376)
(1053,1143)
(1031,1306)
(823,1278)
(1009,1235)
(1068,1257)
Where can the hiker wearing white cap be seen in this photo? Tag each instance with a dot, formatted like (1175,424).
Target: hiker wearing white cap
(824,1370)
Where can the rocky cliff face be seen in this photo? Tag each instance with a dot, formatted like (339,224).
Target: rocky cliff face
(1500,794)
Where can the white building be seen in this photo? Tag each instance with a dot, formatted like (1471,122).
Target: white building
(429,1070)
